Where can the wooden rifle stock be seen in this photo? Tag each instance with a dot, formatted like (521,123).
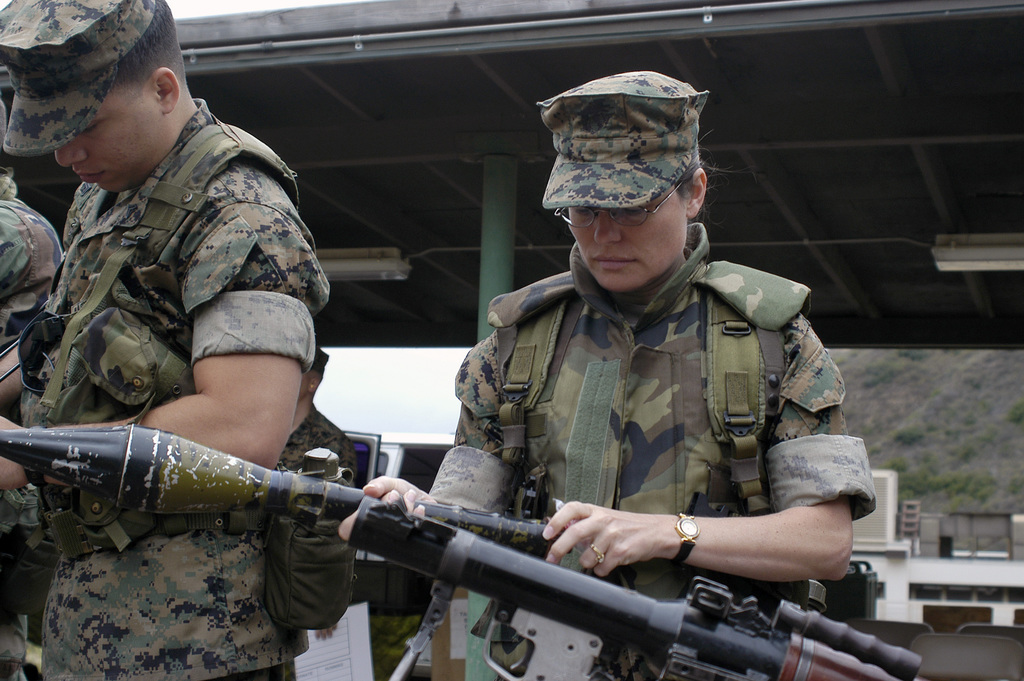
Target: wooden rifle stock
(809,660)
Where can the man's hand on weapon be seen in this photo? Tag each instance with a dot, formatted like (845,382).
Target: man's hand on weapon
(392,491)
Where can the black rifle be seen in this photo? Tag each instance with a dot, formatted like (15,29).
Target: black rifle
(572,621)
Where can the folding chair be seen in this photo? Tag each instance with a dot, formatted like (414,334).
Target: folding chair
(893,632)
(984,629)
(967,657)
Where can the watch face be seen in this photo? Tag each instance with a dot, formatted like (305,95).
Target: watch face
(688,527)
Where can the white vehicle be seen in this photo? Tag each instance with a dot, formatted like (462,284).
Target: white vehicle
(390,589)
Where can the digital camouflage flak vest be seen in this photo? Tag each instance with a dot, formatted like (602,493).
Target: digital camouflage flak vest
(646,419)
(110,364)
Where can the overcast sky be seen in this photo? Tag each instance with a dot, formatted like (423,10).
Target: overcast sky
(391,390)
(184,9)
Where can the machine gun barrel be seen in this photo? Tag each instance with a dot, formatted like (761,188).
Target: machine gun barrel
(145,469)
(688,639)
(617,616)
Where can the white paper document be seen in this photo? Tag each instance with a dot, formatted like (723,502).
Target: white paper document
(345,656)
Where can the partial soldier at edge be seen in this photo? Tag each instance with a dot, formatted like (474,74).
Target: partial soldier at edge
(29,257)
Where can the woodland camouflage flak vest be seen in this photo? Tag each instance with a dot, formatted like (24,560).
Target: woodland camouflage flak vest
(135,370)
(741,369)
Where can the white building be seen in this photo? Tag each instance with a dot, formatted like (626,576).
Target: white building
(944,570)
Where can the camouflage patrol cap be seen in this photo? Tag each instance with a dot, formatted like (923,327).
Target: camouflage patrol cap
(622,141)
(62,57)
(319,361)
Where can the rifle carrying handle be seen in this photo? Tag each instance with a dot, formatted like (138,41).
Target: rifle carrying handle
(523,535)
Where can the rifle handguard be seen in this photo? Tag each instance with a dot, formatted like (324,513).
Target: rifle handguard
(899,662)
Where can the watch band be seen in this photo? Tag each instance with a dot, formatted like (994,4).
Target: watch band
(688,531)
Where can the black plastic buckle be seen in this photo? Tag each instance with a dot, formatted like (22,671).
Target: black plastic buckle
(711,598)
(516,391)
(736,329)
(739,425)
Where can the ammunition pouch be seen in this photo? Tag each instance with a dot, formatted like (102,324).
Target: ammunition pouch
(310,569)
(309,573)
(118,368)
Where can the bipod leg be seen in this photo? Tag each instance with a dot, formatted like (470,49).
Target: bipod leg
(440,600)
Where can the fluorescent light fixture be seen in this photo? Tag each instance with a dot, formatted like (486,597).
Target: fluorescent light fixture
(979,252)
(363,264)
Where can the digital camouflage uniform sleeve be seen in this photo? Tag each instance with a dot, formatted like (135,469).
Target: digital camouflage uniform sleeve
(29,256)
(250,248)
(477,387)
(811,458)
(472,474)
(255,245)
(812,390)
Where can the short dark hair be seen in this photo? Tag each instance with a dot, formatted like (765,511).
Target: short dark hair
(157,47)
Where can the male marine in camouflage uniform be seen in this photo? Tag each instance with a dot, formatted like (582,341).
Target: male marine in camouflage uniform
(226,302)
(311,428)
(627,444)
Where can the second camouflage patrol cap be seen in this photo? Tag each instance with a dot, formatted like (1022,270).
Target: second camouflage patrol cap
(62,57)
(623,140)
(319,360)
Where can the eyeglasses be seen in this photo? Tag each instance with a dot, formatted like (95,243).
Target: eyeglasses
(582,216)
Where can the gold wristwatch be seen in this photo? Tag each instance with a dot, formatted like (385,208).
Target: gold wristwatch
(688,531)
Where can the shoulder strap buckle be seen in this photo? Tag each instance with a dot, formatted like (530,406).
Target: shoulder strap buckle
(514,392)
(736,327)
(740,425)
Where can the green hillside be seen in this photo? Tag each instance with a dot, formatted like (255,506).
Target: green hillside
(950,421)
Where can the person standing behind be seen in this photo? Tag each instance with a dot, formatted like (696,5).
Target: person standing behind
(185,304)
(638,485)
(311,429)
(29,257)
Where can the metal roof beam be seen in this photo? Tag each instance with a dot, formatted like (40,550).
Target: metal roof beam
(365,31)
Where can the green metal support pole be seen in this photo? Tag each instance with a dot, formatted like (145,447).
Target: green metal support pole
(497,259)
(497,233)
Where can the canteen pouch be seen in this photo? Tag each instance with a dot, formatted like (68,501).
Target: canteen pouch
(309,570)
(27,557)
